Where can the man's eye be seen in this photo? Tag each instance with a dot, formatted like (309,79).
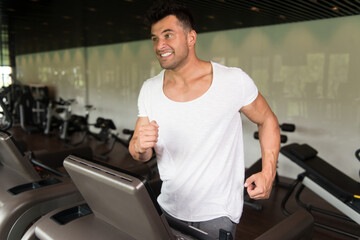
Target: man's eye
(154,39)
(169,35)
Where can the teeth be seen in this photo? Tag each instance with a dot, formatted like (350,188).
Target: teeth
(165,54)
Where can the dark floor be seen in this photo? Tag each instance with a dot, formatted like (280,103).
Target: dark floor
(253,222)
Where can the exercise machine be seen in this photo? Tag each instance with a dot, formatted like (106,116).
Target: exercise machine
(328,182)
(32,108)
(26,193)
(58,116)
(120,205)
(6,120)
(78,123)
(106,136)
(357,155)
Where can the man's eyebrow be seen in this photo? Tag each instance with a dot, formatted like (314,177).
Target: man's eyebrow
(166,30)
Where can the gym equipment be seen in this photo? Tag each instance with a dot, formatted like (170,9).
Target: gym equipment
(257,166)
(6,120)
(11,98)
(78,123)
(357,155)
(329,183)
(120,205)
(24,194)
(299,226)
(32,108)
(135,213)
(40,95)
(105,135)
(55,120)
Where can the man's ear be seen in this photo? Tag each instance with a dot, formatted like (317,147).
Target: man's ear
(192,35)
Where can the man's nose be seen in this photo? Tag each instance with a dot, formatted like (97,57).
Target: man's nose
(160,44)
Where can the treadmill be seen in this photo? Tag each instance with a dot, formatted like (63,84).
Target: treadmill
(120,205)
(117,205)
(24,195)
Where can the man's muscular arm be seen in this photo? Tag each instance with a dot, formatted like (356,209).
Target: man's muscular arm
(269,135)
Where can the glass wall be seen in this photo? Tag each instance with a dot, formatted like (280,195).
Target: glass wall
(307,71)
(5,69)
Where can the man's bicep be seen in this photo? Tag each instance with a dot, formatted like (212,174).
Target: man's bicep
(257,110)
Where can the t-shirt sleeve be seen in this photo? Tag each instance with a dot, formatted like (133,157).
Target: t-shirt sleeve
(250,91)
(142,101)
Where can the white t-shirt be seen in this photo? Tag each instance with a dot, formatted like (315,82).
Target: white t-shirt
(200,147)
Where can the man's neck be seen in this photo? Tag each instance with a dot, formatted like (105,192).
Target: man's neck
(187,72)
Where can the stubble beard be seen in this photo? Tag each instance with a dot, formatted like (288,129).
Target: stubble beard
(176,62)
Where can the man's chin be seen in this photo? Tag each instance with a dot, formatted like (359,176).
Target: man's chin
(166,66)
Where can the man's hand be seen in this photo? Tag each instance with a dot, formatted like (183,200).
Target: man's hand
(259,185)
(147,137)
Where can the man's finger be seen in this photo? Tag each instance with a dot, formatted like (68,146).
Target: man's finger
(154,123)
(249,181)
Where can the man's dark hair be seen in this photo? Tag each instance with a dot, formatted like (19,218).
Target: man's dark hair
(164,8)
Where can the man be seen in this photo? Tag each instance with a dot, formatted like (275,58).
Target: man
(189,114)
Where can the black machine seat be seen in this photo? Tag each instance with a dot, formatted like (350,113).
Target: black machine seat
(335,187)
(323,173)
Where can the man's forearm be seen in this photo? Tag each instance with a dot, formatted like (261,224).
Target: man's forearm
(269,135)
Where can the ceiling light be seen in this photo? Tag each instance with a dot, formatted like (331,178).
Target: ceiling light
(92,9)
(282,16)
(239,23)
(211,17)
(256,9)
(335,8)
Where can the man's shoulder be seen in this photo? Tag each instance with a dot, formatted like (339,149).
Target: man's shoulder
(226,69)
(157,78)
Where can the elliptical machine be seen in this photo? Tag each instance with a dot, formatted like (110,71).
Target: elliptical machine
(54,120)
